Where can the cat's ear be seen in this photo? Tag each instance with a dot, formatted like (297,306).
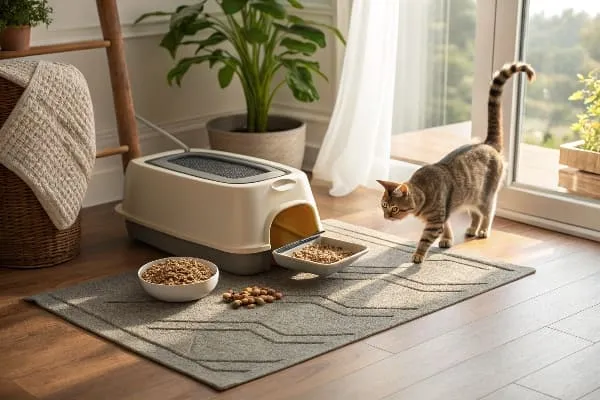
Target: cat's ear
(388,186)
(404,189)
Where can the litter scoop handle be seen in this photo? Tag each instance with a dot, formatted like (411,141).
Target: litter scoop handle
(298,242)
(165,133)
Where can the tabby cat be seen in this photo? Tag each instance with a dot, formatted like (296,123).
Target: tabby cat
(467,178)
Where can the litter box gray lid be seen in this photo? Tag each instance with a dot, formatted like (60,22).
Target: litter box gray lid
(218,167)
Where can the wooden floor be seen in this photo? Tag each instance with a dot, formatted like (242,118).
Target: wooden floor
(537,338)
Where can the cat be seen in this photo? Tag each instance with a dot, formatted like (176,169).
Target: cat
(468,178)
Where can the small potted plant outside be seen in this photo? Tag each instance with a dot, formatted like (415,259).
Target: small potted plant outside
(253,41)
(584,154)
(17,17)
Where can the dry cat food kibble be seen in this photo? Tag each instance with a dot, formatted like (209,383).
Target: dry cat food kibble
(251,297)
(322,253)
(178,271)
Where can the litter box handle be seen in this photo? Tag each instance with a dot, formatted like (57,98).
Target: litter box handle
(281,185)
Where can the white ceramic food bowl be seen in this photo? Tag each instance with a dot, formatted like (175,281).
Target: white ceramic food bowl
(179,293)
(283,255)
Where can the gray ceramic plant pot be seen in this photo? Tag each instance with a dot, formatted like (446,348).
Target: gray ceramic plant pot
(283,143)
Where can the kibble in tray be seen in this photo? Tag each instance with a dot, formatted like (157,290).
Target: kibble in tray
(321,253)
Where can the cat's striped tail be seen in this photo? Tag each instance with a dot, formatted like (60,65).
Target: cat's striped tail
(494,131)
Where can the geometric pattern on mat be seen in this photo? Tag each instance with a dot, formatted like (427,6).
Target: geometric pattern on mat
(222,347)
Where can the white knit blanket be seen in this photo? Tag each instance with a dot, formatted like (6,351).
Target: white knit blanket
(49,139)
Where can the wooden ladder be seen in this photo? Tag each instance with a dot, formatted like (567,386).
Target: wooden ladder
(110,24)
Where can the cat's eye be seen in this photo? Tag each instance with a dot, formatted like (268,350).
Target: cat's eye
(384,204)
(395,209)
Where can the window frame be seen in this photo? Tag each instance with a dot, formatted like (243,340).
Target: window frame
(500,29)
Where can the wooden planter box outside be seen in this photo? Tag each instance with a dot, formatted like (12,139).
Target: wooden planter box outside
(582,174)
(579,182)
(572,155)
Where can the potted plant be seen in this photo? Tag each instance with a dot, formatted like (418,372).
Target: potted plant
(17,17)
(584,154)
(252,41)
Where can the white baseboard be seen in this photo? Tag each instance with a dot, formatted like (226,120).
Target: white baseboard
(105,187)
(550,225)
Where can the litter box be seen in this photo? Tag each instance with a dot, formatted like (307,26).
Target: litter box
(231,209)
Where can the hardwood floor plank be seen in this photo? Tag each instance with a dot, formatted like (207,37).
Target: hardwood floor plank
(56,360)
(471,340)
(80,364)
(317,371)
(11,391)
(516,392)
(585,324)
(569,378)
(140,380)
(492,370)
(548,277)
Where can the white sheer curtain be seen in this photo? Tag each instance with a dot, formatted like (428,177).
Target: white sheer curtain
(356,147)
(415,75)
(383,90)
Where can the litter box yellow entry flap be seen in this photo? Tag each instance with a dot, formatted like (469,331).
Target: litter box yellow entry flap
(293,223)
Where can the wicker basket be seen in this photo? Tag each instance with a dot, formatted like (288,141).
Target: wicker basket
(28,238)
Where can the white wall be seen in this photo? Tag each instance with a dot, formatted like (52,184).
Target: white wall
(182,111)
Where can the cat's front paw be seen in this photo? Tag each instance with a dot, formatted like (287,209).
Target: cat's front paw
(445,243)
(418,258)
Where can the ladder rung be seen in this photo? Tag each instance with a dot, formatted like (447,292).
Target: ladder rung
(56,48)
(112,151)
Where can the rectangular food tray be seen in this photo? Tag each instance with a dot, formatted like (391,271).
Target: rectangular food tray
(283,255)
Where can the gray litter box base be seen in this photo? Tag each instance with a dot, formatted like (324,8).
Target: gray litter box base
(238,264)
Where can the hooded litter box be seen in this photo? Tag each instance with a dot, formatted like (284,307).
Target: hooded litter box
(230,209)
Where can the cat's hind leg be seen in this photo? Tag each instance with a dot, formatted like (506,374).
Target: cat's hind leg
(473,230)
(490,198)
(488,212)
(447,238)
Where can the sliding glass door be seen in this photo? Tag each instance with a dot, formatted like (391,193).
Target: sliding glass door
(545,184)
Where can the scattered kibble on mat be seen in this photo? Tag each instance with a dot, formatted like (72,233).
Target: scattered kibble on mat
(321,253)
(178,271)
(251,296)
